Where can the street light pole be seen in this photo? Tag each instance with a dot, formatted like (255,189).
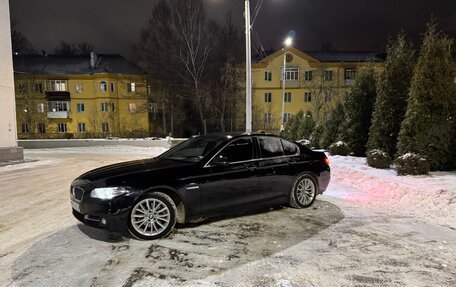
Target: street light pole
(248,70)
(287,43)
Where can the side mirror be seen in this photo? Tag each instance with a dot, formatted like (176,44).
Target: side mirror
(220,161)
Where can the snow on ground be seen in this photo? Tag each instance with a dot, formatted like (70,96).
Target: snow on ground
(429,197)
(391,231)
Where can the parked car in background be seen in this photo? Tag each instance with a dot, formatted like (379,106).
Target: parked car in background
(203,177)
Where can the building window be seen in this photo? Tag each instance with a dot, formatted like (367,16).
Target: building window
(25,128)
(287,97)
(103,86)
(131,87)
(105,127)
(41,128)
(58,106)
(268,118)
(104,107)
(22,88)
(56,86)
(267,97)
(328,96)
(307,97)
(132,107)
(291,74)
(38,87)
(112,87)
(81,127)
(268,76)
(286,117)
(62,127)
(328,75)
(350,74)
(40,108)
(80,107)
(79,88)
(113,107)
(308,75)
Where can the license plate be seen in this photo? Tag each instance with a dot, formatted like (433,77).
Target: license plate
(75,206)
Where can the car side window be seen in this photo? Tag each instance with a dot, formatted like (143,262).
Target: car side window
(270,147)
(289,148)
(239,150)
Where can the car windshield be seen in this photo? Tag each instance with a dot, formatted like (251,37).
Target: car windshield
(193,150)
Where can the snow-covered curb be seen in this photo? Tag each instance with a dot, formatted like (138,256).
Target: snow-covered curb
(431,198)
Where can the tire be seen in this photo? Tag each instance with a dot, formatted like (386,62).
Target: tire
(304,191)
(153,216)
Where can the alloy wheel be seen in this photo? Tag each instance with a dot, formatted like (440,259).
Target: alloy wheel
(150,217)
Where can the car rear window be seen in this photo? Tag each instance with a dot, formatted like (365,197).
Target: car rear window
(270,147)
(289,148)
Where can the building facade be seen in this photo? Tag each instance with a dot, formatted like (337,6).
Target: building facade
(314,82)
(80,97)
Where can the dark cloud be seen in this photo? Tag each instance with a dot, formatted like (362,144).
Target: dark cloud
(114,25)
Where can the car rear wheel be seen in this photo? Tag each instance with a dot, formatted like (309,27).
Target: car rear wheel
(304,192)
(153,216)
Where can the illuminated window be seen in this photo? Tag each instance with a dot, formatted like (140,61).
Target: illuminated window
(103,86)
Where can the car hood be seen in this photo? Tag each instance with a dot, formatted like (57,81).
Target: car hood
(132,167)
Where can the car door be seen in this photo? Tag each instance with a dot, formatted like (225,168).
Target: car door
(274,179)
(232,182)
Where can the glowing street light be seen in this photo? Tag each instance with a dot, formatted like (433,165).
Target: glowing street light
(287,43)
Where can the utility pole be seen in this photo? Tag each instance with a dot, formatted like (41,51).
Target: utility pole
(248,70)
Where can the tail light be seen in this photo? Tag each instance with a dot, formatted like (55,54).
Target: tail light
(326,160)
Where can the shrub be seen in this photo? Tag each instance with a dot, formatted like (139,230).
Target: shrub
(378,159)
(412,164)
(339,148)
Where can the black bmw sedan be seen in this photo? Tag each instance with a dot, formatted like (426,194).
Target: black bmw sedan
(203,177)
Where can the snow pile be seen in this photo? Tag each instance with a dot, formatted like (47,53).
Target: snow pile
(339,143)
(430,197)
(378,152)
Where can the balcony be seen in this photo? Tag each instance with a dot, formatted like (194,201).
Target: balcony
(59,115)
(291,83)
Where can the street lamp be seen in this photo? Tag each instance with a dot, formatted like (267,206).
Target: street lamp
(287,43)
(248,70)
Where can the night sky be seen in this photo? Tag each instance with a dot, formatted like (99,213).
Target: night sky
(114,25)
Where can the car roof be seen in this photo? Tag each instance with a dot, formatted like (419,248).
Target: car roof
(235,135)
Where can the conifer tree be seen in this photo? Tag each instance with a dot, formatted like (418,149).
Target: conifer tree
(358,110)
(429,125)
(332,126)
(392,93)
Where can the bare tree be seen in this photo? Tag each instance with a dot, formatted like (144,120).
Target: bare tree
(65,48)
(322,91)
(21,44)
(157,53)
(30,104)
(190,26)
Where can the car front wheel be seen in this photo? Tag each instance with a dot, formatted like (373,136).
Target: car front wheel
(153,216)
(304,192)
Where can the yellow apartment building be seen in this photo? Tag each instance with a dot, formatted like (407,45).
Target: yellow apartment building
(314,82)
(80,96)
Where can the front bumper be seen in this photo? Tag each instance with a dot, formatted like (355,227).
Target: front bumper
(108,214)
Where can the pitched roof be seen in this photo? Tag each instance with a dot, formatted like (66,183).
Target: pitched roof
(346,56)
(73,65)
(327,56)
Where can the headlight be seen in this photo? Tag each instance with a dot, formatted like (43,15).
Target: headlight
(109,192)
